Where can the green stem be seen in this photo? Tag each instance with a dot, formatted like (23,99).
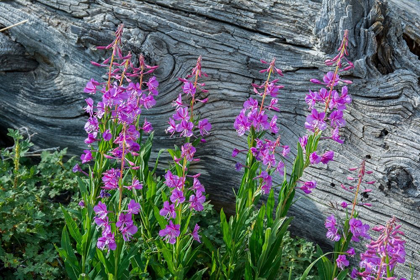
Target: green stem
(16,163)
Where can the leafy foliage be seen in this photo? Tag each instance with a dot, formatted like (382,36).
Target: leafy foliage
(30,216)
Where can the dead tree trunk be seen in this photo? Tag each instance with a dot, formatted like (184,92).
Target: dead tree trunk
(45,65)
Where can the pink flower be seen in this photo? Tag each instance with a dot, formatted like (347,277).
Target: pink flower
(204,126)
(133,207)
(168,210)
(315,121)
(194,233)
(342,261)
(170,233)
(87,156)
(177,196)
(308,186)
(91,86)
(197,201)
(327,157)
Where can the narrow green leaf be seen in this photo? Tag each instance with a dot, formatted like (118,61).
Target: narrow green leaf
(72,226)
(225,230)
(159,218)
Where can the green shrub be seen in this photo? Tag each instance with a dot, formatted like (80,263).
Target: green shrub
(30,217)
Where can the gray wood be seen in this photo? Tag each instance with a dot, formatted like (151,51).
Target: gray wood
(45,65)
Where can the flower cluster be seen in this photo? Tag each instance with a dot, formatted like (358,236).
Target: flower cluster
(180,195)
(330,102)
(352,228)
(114,124)
(253,118)
(382,254)
(183,121)
(124,224)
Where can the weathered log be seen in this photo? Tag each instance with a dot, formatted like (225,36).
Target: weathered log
(45,65)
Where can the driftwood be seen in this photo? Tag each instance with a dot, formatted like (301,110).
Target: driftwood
(44,66)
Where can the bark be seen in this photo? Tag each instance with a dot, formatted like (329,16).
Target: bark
(44,66)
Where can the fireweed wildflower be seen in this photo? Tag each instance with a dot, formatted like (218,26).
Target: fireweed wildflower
(188,125)
(114,127)
(254,118)
(351,229)
(383,254)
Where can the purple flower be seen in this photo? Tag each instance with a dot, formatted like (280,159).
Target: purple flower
(336,119)
(314,158)
(358,229)
(344,204)
(342,261)
(149,102)
(152,85)
(335,135)
(242,123)
(197,186)
(177,196)
(104,194)
(91,86)
(351,252)
(101,214)
(194,233)
(188,151)
(170,233)
(235,152)
(181,114)
(340,102)
(110,179)
(172,127)
(107,240)
(238,166)
(266,182)
(286,151)
(76,168)
(147,126)
(91,138)
(189,88)
(124,219)
(92,125)
(133,207)
(280,168)
(308,186)
(128,231)
(87,156)
(107,135)
(330,225)
(100,210)
(315,121)
(197,201)
(303,141)
(251,103)
(82,204)
(174,181)
(273,105)
(178,102)
(323,94)
(89,107)
(204,126)
(185,127)
(168,210)
(331,79)
(273,125)
(135,185)
(312,98)
(272,89)
(327,157)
